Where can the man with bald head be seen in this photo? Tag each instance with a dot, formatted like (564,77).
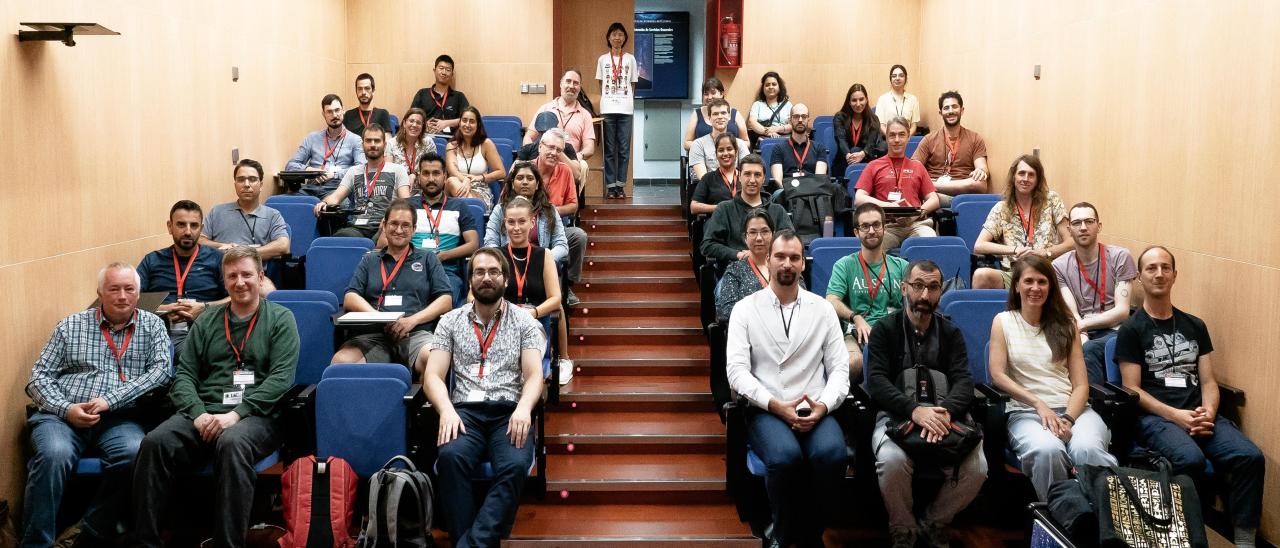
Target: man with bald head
(800,155)
(84,388)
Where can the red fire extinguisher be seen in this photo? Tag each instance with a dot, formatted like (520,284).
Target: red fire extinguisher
(730,34)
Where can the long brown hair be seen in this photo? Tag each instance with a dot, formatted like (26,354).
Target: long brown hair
(1056,321)
(1039,194)
(402,134)
(541,201)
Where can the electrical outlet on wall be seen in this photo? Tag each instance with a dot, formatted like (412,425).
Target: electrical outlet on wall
(524,87)
(539,88)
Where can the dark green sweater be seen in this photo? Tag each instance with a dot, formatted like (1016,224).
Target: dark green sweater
(722,236)
(207,363)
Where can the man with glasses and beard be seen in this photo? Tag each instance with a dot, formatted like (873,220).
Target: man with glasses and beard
(903,339)
(374,184)
(786,356)
(494,351)
(861,287)
(332,150)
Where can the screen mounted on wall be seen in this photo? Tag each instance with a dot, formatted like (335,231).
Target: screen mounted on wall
(662,54)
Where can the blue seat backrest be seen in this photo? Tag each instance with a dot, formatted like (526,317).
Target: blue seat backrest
(966,198)
(301,219)
(315,334)
(766,150)
(291,199)
(827,137)
(912,143)
(929,241)
(974,318)
(506,150)
(843,242)
(502,128)
(343,241)
(994,295)
(360,414)
(395,123)
(1113,368)
(330,268)
(824,262)
(969,219)
(442,143)
(302,295)
(477,209)
(952,258)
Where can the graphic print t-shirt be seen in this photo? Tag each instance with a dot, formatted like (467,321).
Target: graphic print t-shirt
(1169,352)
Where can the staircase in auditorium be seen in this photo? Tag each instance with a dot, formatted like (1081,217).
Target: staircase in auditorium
(636,448)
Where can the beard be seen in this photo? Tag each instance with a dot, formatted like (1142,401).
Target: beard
(333,124)
(923,307)
(488,293)
(786,277)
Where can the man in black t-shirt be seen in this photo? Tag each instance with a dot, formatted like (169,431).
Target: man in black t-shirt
(442,103)
(365,114)
(801,154)
(1163,355)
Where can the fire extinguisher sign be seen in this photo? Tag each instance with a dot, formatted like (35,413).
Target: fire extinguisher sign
(662,55)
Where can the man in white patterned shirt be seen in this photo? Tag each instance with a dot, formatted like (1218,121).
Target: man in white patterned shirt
(84,388)
(494,351)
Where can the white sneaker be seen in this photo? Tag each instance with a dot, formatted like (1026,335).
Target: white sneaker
(566,370)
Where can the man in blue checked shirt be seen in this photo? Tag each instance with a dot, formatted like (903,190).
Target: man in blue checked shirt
(84,388)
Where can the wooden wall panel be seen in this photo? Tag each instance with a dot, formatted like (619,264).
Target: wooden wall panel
(103,137)
(821,47)
(495,45)
(1161,114)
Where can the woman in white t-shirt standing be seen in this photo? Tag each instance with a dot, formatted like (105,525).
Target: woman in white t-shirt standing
(616,71)
(897,102)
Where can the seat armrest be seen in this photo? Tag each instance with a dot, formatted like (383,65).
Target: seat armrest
(1228,391)
(1122,392)
(990,392)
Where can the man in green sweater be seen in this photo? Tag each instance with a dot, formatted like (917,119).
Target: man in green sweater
(238,361)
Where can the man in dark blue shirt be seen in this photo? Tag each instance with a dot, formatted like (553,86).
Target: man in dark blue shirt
(191,273)
(400,278)
(800,154)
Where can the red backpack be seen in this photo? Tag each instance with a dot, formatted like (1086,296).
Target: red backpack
(319,498)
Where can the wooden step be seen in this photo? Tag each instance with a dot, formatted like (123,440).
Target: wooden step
(642,472)
(588,326)
(633,428)
(641,227)
(596,304)
(625,525)
(636,388)
(633,259)
(603,242)
(640,359)
(591,211)
(640,283)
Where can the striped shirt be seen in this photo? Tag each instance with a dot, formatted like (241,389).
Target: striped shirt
(502,376)
(77,365)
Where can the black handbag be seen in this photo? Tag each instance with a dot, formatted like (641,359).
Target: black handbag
(928,386)
(1130,507)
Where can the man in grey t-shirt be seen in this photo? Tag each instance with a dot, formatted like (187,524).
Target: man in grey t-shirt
(1095,282)
(245,221)
(372,187)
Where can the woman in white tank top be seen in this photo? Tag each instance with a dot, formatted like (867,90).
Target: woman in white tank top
(1035,357)
(472,160)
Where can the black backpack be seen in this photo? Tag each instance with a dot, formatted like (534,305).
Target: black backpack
(809,201)
(401,506)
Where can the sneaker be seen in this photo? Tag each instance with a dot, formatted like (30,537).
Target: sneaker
(571,299)
(566,370)
(617,192)
(935,534)
(68,537)
(902,537)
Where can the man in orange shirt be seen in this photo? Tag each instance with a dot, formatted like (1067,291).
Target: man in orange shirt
(955,157)
(558,180)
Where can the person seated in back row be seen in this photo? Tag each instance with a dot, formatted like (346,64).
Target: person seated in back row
(373,185)
(365,114)
(802,155)
(449,228)
(704,152)
(399,278)
(956,157)
(1029,220)
(440,101)
(1163,355)
(332,151)
(897,181)
(722,240)
(493,349)
(86,386)
(246,221)
(238,363)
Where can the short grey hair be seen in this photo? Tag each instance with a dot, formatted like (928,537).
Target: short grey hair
(556,133)
(102,274)
(898,121)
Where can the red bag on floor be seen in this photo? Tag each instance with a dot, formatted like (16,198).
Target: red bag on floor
(319,502)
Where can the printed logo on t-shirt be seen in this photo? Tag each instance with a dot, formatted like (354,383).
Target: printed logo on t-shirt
(1173,356)
(417,267)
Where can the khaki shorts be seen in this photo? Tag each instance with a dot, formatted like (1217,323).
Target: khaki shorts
(379,348)
(1007,275)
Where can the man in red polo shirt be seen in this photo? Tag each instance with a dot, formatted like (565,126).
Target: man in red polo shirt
(558,179)
(897,181)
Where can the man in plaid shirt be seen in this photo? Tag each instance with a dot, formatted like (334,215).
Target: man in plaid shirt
(84,388)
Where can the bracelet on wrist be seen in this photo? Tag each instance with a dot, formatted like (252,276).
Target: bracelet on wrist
(1069,418)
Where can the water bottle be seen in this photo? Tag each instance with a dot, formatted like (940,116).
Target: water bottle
(828,227)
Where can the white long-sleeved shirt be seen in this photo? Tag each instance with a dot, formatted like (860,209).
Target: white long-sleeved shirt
(764,363)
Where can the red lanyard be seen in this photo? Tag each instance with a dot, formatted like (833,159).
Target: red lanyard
(411,157)
(364,121)
(617,68)
(226,327)
(181,276)
(336,143)
(486,341)
(730,181)
(799,157)
(435,221)
(953,147)
(897,172)
(856,131)
(444,97)
(386,280)
(111,343)
(873,287)
(370,183)
(520,276)
(1028,224)
(756,270)
(1101,286)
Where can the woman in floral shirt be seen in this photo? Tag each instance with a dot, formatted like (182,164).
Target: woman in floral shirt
(1030,220)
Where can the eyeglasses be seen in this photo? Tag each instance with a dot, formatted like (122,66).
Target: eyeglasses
(751,234)
(871,227)
(399,225)
(923,287)
(800,116)
(1078,223)
(248,180)
(482,274)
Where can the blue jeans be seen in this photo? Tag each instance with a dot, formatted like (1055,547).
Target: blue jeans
(617,149)
(803,472)
(1095,355)
(484,441)
(58,447)
(459,292)
(1234,458)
